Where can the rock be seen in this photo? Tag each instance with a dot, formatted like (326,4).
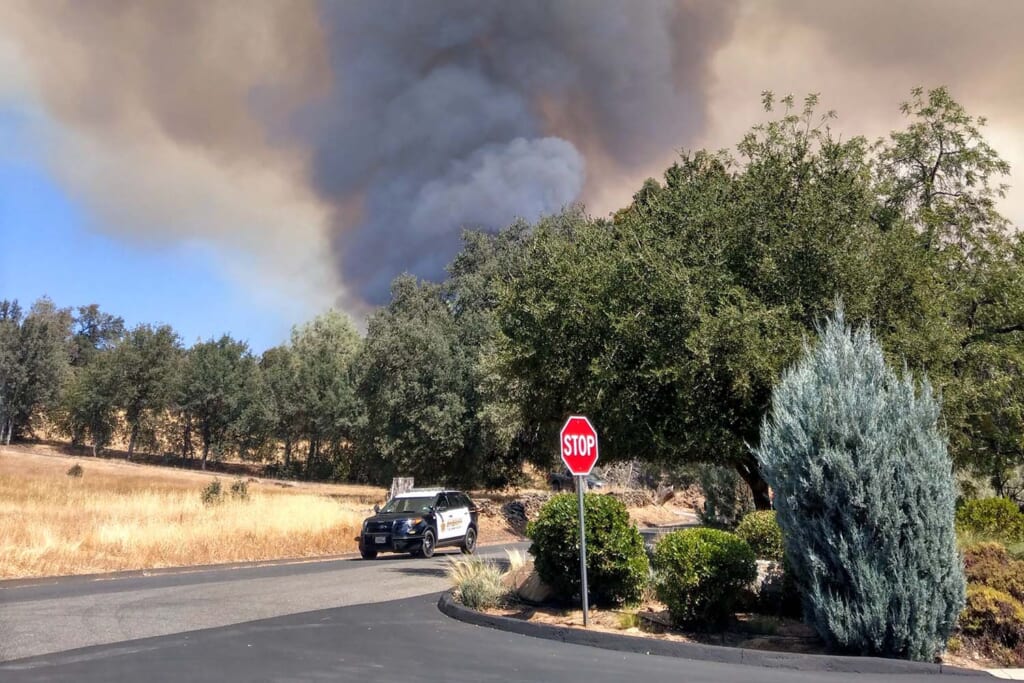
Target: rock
(532,590)
(654,622)
(519,512)
(664,494)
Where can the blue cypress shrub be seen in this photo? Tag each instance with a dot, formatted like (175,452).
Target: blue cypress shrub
(865,498)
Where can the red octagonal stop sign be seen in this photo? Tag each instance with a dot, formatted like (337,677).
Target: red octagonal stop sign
(579,445)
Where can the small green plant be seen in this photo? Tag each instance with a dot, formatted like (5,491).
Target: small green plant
(617,566)
(699,574)
(213,494)
(761,531)
(240,489)
(76,471)
(628,620)
(991,519)
(477,582)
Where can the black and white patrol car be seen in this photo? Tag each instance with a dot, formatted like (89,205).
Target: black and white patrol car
(418,522)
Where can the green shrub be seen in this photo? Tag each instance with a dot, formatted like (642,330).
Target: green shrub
(75,471)
(762,533)
(991,518)
(617,565)
(240,489)
(700,573)
(477,582)
(865,498)
(727,497)
(213,494)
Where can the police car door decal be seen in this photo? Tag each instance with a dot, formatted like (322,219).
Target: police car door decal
(453,522)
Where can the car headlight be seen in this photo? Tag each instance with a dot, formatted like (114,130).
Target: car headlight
(409,525)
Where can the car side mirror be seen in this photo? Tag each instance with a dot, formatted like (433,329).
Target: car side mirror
(376,508)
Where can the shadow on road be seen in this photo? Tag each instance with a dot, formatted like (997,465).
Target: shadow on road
(435,572)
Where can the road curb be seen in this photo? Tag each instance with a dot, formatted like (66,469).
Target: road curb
(710,653)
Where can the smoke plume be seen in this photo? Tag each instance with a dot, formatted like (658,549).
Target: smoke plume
(459,113)
(325,148)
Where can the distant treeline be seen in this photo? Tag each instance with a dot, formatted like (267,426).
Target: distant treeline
(667,323)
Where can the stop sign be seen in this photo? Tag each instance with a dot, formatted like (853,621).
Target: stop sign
(579,445)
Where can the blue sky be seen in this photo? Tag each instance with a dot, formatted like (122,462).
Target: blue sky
(48,246)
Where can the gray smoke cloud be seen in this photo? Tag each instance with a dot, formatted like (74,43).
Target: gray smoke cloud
(455,114)
(324,148)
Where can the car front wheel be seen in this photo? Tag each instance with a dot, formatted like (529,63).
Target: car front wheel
(368,554)
(427,546)
(468,546)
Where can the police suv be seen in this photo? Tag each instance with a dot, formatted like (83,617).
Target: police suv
(418,522)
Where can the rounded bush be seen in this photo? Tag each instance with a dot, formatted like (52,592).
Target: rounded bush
(989,564)
(984,552)
(992,616)
(700,573)
(991,518)
(617,566)
(761,531)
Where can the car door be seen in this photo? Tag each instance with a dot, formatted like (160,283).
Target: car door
(452,518)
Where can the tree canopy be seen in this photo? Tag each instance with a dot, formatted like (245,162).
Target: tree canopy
(668,322)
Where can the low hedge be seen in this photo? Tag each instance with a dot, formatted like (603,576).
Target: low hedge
(700,574)
(991,518)
(617,567)
(760,530)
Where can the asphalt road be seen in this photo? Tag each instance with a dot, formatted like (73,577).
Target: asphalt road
(213,626)
(81,612)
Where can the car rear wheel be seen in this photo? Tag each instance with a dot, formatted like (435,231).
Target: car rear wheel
(368,554)
(468,546)
(427,546)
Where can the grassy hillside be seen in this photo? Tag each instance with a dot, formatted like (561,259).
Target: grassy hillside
(120,515)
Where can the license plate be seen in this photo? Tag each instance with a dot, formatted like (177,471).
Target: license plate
(380,539)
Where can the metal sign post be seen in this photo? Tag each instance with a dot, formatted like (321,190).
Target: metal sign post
(581,483)
(578,444)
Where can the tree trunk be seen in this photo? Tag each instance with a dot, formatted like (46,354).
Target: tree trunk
(10,428)
(287,452)
(131,441)
(94,453)
(206,452)
(748,470)
(314,450)
(186,439)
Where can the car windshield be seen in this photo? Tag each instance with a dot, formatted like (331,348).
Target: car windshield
(409,504)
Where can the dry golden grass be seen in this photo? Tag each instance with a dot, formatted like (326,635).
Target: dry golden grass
(124,516)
